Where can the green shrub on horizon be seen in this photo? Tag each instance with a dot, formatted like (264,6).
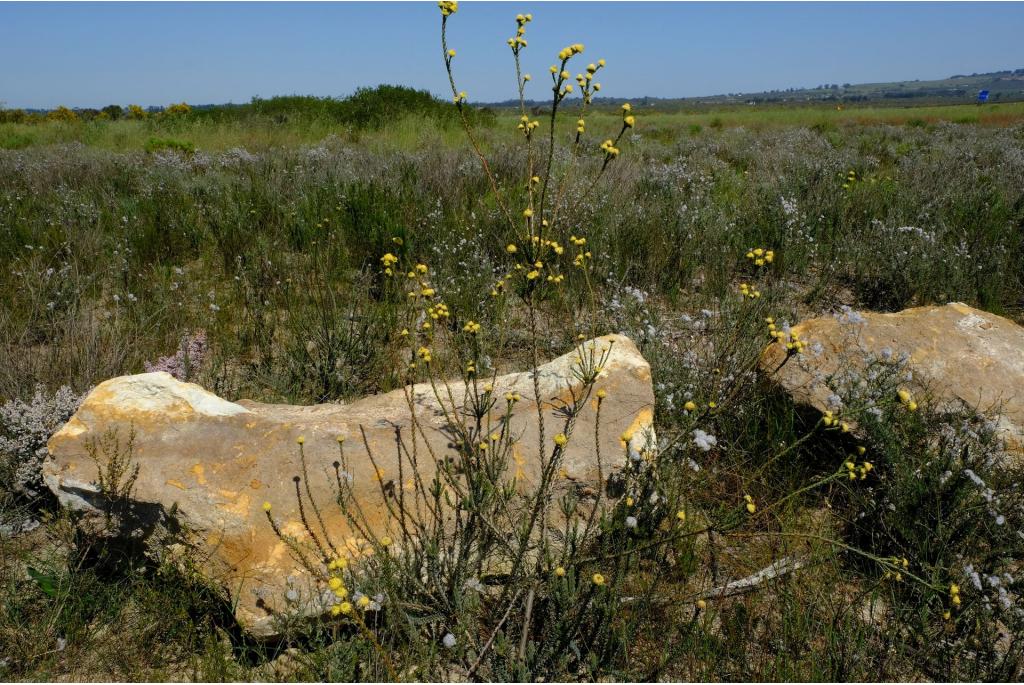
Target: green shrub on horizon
(366,108)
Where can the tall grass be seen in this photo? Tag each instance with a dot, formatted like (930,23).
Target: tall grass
(268,238)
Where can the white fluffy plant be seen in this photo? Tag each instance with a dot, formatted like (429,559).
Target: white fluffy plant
(25,427)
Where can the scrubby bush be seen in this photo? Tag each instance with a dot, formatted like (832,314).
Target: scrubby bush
(169,144)
(365,109)
(62,113)
(25,427)
(186,360)
(177,108)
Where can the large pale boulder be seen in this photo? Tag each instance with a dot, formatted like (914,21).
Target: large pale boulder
(213,463)
(954,352)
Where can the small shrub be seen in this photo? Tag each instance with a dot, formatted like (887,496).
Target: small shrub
(62,113)
(169,144)
(25,427)
(178,108)
(185,362)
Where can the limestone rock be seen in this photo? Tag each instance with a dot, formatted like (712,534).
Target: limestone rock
(958,353)
(214,462)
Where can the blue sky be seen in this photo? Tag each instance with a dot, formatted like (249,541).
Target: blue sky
(93,54)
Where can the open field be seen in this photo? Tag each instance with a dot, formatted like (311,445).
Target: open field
(259,131)
(263,239)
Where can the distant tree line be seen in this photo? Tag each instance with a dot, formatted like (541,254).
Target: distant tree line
(366,108)
(108,113)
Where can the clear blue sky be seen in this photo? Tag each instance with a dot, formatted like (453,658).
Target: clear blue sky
(93,54)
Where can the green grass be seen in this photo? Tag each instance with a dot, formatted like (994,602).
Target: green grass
(259,130)
(268,235)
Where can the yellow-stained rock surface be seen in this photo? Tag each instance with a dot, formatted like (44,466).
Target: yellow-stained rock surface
(957,353)
(216,462)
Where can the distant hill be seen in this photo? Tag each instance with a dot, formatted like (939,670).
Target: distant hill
(1003,86)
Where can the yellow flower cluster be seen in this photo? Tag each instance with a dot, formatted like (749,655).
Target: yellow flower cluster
(545,243)
(471,327)
(628,120)
(460,98)
(899,562)
(609,149)
(533,271)
(448,7)
(907,399)
(527,126)
(749,291)
(438,311)
(793,342)
(179,108)
(954,594)
(751,507)
(518,42)
(832,421)
(861,471)
(851,178)
(389,260)
(587,87)
(761,256)
(337,587)
(565,53)
(561,440)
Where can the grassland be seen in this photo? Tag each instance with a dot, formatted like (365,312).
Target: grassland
(409,131)
(267,235)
